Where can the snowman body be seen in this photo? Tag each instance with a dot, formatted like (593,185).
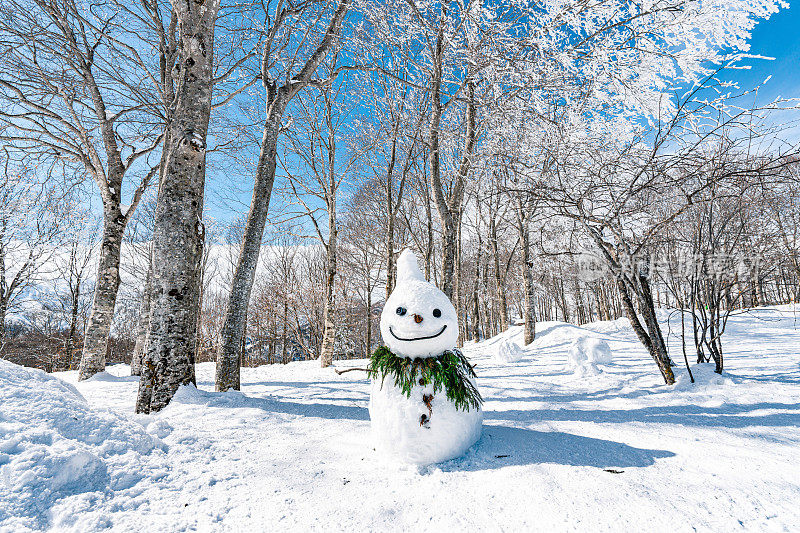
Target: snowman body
(419,321)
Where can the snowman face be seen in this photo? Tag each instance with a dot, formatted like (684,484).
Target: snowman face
(418,320)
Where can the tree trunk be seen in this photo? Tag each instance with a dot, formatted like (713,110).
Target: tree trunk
(276,100)
(460,302)
(450,209)
(228,355)
(142,324)
(476,323)
(498,277)
(429,244)
(448,219)
(95,342)
(527,283)
(69,345)
(284,347)
(656,349)
(3,311)
(367,353)
(389,246)
(391,212)
(328,348)
(179,232)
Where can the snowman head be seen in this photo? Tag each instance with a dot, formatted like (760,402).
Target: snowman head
(418,320)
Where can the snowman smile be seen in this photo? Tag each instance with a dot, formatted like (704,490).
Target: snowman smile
(418,338)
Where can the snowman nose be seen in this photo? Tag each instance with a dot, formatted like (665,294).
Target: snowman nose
(417,318)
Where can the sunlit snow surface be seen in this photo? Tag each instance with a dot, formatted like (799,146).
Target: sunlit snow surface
(616,451)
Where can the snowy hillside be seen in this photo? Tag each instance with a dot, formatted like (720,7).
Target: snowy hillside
(562,449)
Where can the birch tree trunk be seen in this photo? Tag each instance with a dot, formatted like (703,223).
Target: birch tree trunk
(3,311)
(277,98)
(328,348)
(429,243)
(391,213)
(449,209)
(228,356)
(528,314)
(499,280)
(69,345)
(142,324)
(179,232)
(390,259)
(95,343)
(449,228)
(476,322)
(523,212)
(284,338)
(368,333)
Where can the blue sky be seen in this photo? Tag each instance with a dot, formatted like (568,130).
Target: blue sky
(777,37)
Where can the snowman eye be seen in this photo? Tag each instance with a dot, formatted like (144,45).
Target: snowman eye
(437,313)
(401,311)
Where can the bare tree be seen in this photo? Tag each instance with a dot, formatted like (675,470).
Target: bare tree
(71,285)
(140,264)
(782,199)
(315,143)
(179,231)
(392,134)
(363,253)
(282,80)
(32,224)
(76,92)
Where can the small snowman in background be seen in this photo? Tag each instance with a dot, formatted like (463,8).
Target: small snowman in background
(509,352)
(586,353)
(424,406)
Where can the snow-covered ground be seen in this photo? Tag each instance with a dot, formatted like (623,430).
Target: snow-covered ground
(560,450)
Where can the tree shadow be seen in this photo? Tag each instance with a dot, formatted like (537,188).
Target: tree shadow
(559,397)
(235,399)
(509,446)
(728,415)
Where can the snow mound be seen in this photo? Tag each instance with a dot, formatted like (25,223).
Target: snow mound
(620,325)
(704,377)
(586,353)
(54,447)
(106,376)
(509,352)
(554,334)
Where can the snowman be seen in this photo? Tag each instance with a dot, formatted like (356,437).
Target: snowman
(424,407)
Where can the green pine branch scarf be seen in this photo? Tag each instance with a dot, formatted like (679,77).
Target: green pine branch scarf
(450,371)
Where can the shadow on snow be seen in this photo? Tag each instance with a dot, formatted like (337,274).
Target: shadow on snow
(729,415)
(509,446)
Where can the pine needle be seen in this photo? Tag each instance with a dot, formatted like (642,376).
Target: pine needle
(450,371)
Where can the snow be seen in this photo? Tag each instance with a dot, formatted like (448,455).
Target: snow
(56,452)
(704,379)
(398,435)
(509,351)
(405,428)
(620,451)
(585,353)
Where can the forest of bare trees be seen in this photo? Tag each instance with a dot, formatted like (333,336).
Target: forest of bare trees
(565,161)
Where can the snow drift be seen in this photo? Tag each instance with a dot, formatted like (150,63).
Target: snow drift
(53,447)
(509,351)
(585,353)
